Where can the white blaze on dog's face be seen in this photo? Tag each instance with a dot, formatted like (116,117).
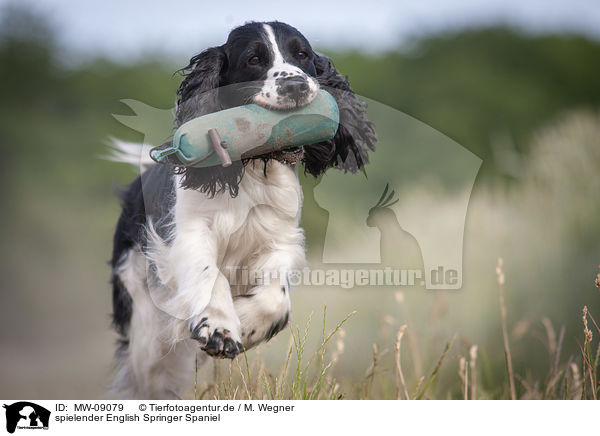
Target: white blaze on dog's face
(288,82)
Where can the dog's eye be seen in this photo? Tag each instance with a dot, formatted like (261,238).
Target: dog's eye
(254,60)
(301,55)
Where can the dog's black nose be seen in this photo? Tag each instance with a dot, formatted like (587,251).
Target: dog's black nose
(293,87)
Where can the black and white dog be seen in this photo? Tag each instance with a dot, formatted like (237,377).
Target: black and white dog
(183,231)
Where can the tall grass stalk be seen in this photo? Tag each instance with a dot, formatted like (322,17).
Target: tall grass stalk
(511,377)
(472,367)
(400,383)
(436,369)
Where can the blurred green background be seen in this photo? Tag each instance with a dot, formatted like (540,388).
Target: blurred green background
(525,104)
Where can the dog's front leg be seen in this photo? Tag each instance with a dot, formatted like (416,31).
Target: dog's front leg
(263,313)
(265,310)
(217,327)
(203,292)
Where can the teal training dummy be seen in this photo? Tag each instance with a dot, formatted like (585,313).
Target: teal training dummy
(246,131)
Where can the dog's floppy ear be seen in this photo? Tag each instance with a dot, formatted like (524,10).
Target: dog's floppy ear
(198,93)
(348,150)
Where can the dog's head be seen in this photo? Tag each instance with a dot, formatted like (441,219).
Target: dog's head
(273,65)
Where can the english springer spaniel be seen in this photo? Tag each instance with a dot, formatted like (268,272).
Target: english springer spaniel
(184,232)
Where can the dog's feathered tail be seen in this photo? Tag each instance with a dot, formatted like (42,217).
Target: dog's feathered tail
(132,153)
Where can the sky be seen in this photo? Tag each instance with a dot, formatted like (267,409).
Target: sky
(125,29)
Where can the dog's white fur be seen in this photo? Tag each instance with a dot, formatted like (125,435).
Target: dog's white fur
(132,153)
(172,288)
(268,95)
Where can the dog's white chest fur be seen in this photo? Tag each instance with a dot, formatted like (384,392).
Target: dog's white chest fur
(263,217)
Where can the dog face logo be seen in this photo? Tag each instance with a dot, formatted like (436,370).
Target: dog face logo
(26,415)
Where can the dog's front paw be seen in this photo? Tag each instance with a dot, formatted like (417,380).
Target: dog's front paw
(217,336)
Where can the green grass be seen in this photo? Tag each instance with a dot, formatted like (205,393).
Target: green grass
(310,374)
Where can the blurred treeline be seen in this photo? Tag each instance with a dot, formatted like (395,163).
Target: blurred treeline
(483,87)
(487,89)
